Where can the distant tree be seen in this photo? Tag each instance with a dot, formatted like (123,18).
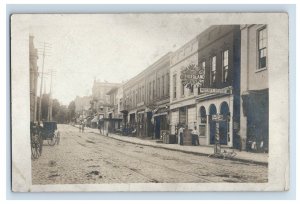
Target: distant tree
(62,115)
(55,107)
(45,106)
(71,110)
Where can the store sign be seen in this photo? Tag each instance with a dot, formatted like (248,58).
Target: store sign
(141,103)
(192,75)
(203,119)
(227,90)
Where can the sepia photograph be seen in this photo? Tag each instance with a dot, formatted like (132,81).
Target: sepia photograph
(149,102)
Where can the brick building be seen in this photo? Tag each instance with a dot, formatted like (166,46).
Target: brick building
(217,51)
(146,99)
(254,118)
(82,105)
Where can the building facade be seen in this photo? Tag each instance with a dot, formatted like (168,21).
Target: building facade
(146,99)
(114,115)
(33,57)
(182,100)
(100,100)
(254,120)
(217,52)
(82,105)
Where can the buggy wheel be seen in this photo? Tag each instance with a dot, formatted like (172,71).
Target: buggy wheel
(40,144)
(34,152)
(52,141)
(57,138)
(35,147)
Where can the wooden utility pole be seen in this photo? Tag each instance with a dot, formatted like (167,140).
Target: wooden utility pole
(42,80)
(41,87)
(52,73)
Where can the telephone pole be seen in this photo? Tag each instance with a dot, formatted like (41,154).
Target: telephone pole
(41,88)
(42,80)
(52,73)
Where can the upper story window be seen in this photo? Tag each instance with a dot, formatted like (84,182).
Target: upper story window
(163,85)
(262,48)
(182,89)
(174,85)
(153,89)
(136,97)
(213,69)
(203,66)
(225,66)
(158,87)
(192,89)
(143,93)
(168,84)
(150,91)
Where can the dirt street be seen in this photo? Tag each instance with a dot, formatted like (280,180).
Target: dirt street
(83,158)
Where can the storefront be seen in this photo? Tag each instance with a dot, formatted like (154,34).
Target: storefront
(141,123)
(132,119)
(161,121)
(256,109)
(114,125)
(125,119)
(149,124)
(210,106)
(186,117)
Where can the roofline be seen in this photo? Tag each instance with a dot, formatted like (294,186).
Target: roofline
(157,62)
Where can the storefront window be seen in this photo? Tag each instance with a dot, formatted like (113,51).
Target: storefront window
(202,115)
(182,115)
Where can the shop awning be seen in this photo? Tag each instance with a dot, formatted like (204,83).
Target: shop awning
(111,119)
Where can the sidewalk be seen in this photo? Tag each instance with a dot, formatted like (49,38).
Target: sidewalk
(257,158)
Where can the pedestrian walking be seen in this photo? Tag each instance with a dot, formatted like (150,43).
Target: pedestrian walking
(99,127)
(82,128)
(79,127)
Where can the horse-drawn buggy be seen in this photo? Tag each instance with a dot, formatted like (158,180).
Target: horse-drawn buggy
(50,133)
(39,133)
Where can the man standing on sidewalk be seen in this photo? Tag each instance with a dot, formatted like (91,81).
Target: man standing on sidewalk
(180,134)
(195,137)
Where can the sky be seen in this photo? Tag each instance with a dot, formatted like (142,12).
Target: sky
(107,47)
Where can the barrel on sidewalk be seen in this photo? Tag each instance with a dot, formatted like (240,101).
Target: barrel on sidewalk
(187,137)
(167,138)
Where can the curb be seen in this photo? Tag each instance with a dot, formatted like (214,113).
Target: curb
(187,152)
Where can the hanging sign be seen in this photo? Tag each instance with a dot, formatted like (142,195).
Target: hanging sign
(192,75)
(218,117)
